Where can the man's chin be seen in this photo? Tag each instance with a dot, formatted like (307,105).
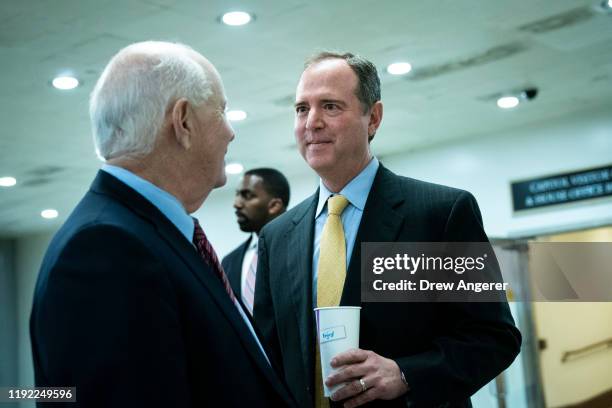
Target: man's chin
(221,181)
(318,163)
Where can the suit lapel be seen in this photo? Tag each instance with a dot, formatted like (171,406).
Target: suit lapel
(107,184)
(380,222)
(298,277)
(208,278)
(234,274)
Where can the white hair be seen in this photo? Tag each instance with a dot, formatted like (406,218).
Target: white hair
(130,99)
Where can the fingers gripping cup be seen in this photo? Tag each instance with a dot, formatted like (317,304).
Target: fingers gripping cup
(337,331)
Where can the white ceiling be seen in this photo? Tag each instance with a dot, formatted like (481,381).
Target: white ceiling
(464,54)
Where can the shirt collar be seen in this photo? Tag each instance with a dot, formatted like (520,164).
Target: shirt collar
(165,202)
(253,242)
(356,191)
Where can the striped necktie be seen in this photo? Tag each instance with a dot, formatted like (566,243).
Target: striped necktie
(248,291)
(207,253)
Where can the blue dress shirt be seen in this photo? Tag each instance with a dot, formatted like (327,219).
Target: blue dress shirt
(164,201)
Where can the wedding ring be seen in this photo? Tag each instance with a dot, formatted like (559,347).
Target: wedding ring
(364,387)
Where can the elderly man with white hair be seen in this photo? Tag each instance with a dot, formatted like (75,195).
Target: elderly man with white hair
(132,306)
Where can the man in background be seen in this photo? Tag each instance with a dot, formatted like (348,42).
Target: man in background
(420,354)
(131,305)
(263,194)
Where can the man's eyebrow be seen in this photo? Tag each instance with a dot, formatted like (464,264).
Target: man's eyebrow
(336,101)
(323,101)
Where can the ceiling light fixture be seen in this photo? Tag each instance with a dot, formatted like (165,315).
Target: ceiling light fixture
(236,18)
(399,68)
(49,213)
(508,102)
(234,168)
(7,181)
(65,82)
(236,115)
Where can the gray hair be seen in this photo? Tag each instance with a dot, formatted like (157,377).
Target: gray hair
(368,82)
(129,102)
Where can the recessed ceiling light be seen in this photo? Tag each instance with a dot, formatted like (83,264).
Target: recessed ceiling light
(7,181)
(236,115)
(49,213)
(236,18)
(65,82)
(508,102)
(234,168)
(399,68)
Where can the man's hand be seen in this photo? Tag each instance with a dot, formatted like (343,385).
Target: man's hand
(381,376)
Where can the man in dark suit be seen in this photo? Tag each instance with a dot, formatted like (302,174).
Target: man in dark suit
(416,354)
(131,305)
(263,195)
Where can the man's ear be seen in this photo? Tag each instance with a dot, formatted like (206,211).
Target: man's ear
(182,122)
(275,207)
(376,114)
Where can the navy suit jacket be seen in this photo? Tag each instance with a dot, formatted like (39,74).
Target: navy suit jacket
(232,265)
(126,310)
(446,350)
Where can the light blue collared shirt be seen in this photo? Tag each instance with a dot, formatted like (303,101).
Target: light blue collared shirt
(171,207)
(356,192)
(164,201)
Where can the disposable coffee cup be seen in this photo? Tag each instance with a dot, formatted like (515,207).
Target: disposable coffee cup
(337,331)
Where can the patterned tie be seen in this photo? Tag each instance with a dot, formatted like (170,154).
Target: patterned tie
(248,291)
(331,274)
(207,253)
(332,255)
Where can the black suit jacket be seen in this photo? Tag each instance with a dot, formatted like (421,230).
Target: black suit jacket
(126,310)
(232,264)
(446,350)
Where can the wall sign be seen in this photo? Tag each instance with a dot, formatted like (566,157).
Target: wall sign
(562,188)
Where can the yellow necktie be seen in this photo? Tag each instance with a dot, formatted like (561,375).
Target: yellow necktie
(331,274)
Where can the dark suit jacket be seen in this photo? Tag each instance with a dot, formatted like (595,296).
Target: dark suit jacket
(446,350)
(232,265)
(126,310)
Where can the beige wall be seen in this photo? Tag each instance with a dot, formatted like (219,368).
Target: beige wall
(571,326)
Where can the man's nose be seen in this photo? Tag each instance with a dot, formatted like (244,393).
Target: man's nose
(314,119)
(238,202)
